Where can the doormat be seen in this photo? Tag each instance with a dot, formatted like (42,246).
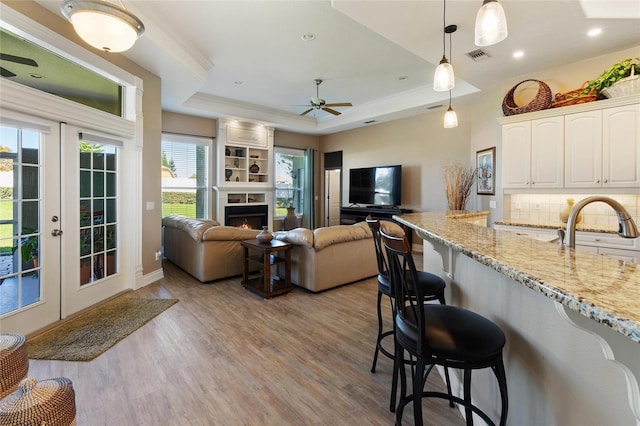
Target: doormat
(89,334)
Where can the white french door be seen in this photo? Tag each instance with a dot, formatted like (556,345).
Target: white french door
(92,261)
(30,242)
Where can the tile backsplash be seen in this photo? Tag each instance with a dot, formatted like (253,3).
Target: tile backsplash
(544,209)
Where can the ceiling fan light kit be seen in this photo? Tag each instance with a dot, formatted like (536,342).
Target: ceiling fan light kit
(103,25)
(491,24)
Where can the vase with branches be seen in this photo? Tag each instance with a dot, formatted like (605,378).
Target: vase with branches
(458,180)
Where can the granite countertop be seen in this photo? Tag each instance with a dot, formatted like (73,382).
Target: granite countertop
(579,227)
(602,288)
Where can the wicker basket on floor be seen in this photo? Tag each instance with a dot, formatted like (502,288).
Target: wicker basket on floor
(574,97)
(14,362)
(540,102)
(49,402)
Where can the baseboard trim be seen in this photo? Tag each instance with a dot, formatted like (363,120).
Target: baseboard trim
(152,277)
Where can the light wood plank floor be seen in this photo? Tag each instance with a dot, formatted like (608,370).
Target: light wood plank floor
(224,356)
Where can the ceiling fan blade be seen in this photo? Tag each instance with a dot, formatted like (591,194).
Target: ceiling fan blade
(339,104)
(6,73)
(18,59)
(307,111)
(331,111)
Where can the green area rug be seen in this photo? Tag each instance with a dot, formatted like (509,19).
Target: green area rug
(91,333)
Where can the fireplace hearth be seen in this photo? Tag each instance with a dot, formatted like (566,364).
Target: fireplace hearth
(251,217)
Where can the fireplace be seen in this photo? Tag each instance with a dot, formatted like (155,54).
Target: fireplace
(252,217)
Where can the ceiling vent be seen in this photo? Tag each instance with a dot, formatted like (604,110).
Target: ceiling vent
(369,121)
(435,106)
(478,55)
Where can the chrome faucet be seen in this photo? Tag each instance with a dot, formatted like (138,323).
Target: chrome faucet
(626,226)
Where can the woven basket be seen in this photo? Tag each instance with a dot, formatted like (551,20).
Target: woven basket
(624,87)
(14,362)
(540,102)
(48,402)
(574,97)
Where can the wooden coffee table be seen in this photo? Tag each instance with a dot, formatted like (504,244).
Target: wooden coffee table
(269,255)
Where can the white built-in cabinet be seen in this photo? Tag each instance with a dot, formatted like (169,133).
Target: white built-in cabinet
(593,145)
(534,149)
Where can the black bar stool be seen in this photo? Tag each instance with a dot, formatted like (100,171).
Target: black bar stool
(439,335)
(432,289)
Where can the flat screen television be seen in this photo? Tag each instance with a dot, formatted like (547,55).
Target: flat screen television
(376,186)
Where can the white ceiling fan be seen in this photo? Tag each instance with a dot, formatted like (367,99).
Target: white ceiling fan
(319,103)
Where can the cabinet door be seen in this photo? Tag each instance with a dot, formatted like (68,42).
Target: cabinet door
(621,146)
(516,155)
(547,153)
(583,150)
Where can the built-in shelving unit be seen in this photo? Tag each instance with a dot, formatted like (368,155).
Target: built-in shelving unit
(245,167)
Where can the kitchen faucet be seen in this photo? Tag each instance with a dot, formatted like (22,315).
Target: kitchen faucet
(626,226)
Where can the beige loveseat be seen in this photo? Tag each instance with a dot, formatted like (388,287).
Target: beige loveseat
(204,248)
(331,256)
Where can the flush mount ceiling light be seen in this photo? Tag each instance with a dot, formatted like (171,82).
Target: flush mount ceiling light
(105,26)
(491,24)
(444,79)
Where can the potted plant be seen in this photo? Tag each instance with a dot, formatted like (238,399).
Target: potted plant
(29,249)
(622,70)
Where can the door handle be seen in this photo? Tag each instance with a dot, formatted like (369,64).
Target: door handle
(56,232)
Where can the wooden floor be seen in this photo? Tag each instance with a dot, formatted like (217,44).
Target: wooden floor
(224,356)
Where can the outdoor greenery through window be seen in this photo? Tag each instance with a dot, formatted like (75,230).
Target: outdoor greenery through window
(185,176)
(289,180)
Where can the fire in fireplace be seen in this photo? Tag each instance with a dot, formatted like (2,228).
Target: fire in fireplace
(251,217)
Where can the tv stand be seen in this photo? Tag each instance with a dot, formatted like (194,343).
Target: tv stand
(351,215)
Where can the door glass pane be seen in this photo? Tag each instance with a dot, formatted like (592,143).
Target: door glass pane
(20,172)
(98,243)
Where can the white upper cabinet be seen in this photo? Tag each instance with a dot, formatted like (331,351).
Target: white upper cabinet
(532,154)
(621,146)
(592,145)
(603,148)
(583,150)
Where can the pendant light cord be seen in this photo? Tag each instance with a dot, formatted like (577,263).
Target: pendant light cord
(444,24)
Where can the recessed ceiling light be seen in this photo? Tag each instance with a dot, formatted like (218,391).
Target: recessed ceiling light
(594,32)
(308,37)
(518,54)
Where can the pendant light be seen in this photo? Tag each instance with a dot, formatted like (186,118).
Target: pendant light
(103,25)
(450,117)
(491,24)
(444,79)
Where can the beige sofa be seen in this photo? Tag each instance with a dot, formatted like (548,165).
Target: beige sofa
(204,248)
(329,257)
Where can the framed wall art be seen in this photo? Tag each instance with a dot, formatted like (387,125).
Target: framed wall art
(486,163)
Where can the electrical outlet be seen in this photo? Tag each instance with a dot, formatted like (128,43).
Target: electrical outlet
(538,206)
(158,255)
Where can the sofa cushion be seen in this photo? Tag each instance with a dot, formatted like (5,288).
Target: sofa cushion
(392,228)
(297,236)
(324,237)
(228,233)
(195,228)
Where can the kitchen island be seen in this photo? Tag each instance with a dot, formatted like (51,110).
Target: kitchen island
(571,318)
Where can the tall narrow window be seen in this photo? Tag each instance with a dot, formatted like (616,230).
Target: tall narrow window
(98,211)
(289,180)
(185,176)
(20,170)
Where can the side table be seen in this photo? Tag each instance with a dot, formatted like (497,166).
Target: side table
(270,255)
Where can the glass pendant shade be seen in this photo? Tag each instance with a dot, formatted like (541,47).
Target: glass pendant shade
(103,25)
(450,119)
(443,79)
(491,24)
